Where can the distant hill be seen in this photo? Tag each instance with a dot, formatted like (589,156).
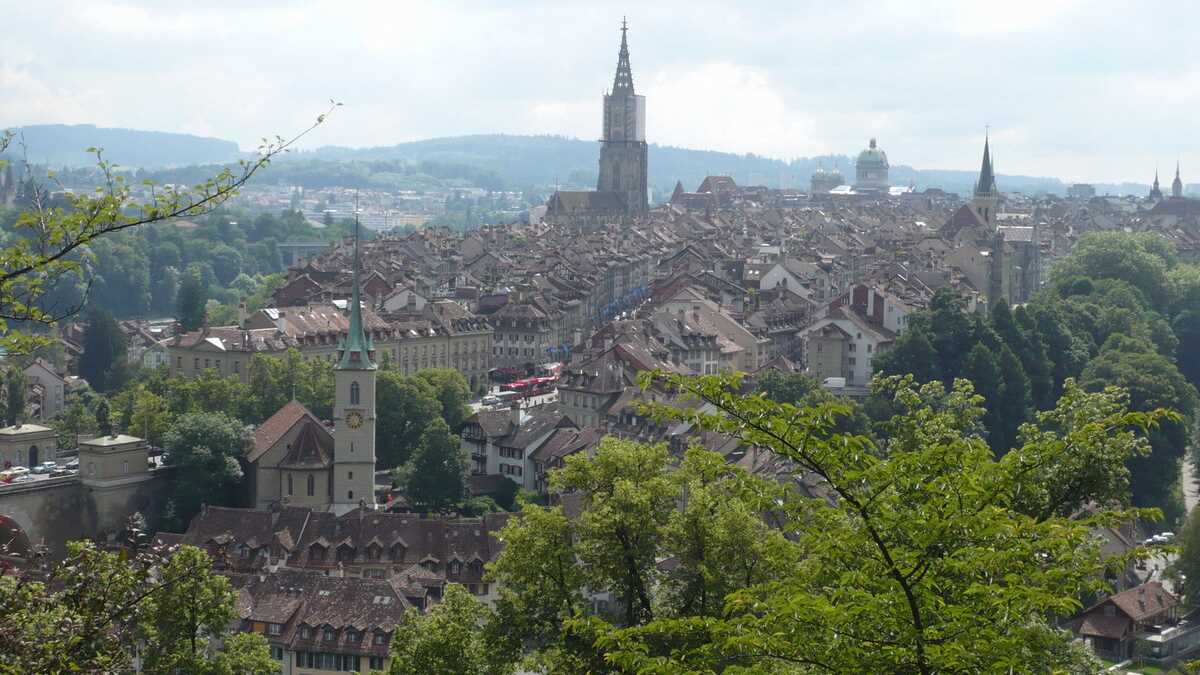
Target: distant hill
(491,161)
(63,145)
(549,160)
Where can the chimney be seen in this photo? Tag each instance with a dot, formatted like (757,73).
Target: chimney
(516,414)
(242,314)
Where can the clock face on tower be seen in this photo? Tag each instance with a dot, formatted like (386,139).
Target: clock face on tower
(354,419)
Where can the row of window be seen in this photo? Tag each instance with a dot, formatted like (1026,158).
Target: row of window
(512,453)
(208,363)
(511,470)
(339,662)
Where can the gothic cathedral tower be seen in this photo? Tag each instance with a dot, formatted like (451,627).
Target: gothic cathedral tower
(353,479)
(623,146)
(986,199)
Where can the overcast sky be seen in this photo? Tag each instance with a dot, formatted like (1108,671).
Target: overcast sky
(1078,90)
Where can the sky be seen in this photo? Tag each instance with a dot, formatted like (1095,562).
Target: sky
(1090,91)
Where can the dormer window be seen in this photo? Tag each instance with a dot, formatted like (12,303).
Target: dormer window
(455,567)
(398,552)
(330,635)
(316,553)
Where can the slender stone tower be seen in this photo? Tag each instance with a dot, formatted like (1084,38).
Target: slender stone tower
(623,165)
(353,478)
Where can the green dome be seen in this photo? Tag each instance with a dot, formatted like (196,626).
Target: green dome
(873,156)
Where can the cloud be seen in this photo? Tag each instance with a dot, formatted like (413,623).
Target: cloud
(1071,89)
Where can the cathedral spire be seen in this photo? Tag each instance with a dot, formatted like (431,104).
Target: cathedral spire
(357,347)
(987,177)
(623,80)
(1177,184)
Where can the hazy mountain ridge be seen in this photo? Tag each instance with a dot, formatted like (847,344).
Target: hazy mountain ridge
(58,145)
(519,161)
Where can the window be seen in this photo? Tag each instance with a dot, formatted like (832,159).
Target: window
(349,475)
(455,567)
(277,653)
(290,484)
(237,366)
(179,362)
(376,662)
(91,468)
(353,636)
(312,485)
(329,635)
(275,628)
(196,363)
(305,632)
(207,363)
(125,466)
(353,393)
(852,361)
(380,638)
(350,494)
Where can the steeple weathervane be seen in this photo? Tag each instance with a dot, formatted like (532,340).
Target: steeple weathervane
(357,347)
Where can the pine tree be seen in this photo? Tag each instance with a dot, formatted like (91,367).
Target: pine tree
(192,298)
(15,403)
(983,370)
(103,423)
(103,349)
(1013,407)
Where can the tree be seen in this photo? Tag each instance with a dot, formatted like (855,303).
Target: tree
(14,404)
(436,476)
(54,237)
(1013,402)
(983,370)
(913,354)
(406,406)
(1187,567)
(193,301)
(907,567)
(103,350)
(95,606)
(150,418)
(182,623)
(452,390)
(76,419)
(205,448)
(447,640)
(1153,382)
(103,419)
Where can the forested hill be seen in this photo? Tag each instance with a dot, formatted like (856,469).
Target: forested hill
(491,161)
(549,160)
(64,145)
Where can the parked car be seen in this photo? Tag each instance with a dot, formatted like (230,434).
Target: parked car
(58,473)
(73,464)
(23,478)
(490,401)
(9,474)
(44,467)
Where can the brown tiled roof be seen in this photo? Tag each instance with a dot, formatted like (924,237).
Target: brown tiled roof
(1098,625)
(269,432)
(1144,601)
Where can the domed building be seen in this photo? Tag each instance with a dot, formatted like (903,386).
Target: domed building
(823,181)
(872,170)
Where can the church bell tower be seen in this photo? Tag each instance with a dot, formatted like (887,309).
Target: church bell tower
(353,479)
(623,152)
(986,199)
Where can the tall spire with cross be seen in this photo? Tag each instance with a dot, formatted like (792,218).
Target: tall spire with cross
(1177,184)
(623,79)
(987,176)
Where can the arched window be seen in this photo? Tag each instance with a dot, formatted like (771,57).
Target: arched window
(353,393)
(312,485)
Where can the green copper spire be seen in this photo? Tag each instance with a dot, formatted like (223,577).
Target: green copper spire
(357,347)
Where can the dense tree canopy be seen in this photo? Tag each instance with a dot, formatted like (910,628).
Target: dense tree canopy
(205,448)
(901,566)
